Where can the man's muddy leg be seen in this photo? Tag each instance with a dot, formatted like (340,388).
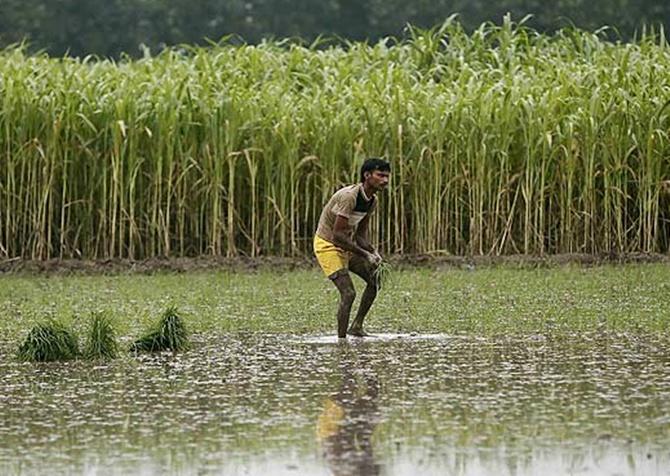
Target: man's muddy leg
(366,272)
(343,283)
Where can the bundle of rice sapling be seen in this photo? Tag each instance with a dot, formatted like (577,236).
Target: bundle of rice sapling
(169,334)
(382,274)
(101,342)
(47,342)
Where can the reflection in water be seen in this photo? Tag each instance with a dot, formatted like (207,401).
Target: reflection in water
(349,417)
(581,403)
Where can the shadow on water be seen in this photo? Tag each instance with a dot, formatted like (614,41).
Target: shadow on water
(350,416)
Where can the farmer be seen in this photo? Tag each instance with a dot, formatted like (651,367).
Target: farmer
(341,242)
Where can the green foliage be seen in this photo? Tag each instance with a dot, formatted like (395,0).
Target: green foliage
(101,343)
(49,341)
(503,141)
(109,28)
(169,334)
(437,297)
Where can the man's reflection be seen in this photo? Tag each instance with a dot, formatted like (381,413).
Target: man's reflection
(348,420)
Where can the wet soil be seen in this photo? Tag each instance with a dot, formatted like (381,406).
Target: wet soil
(242,264)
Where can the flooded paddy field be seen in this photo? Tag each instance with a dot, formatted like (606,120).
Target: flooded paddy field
(496,371)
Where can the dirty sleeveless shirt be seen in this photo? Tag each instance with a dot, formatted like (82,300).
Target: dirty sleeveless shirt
(349,202)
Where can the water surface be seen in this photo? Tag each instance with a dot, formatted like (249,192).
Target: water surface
(590,403)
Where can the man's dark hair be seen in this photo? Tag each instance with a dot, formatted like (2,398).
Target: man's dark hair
(372,164)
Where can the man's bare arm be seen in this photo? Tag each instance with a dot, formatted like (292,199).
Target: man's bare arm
(361,235)
(342,239)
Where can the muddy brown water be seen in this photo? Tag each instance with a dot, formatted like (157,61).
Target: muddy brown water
(590,403)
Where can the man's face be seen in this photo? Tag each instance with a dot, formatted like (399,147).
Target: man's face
(377,179)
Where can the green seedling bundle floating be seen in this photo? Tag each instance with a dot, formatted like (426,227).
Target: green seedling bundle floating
(47,342)
(101,343)
(169,334)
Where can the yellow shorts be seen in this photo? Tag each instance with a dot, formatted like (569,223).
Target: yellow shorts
(330,257)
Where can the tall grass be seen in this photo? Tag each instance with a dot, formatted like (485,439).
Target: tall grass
(501,141)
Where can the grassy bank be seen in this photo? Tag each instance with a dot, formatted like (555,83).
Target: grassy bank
(502,141)
(504,300)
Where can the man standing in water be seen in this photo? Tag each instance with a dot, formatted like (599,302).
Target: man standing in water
(341,243)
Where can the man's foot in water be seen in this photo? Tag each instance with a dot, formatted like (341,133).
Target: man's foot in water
(357,332)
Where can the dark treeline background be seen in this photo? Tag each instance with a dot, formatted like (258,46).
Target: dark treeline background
(110,27)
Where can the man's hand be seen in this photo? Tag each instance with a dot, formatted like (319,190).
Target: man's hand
(374,258)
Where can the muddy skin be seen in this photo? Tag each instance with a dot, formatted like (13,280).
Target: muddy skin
(357,332)
(366,272)
(342,280)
